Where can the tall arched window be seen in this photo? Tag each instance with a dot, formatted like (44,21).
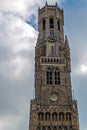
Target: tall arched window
(49,77)
(65,128)
(41,116)
(43,128)
(68,116)
(38,128)
(58,24)
(44,24)
(60,128)
(57,77)
(61,116)
(53,76)
(47,116)
(54,116)
(49,128)
(51,23)
(54,128)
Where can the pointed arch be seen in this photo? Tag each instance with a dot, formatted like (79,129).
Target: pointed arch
(49,76)
(51,21)
(38,128)
(58,25)
(47,116)
(54,128)
(44,24)
(61,116)
(60,128)
(43,128)
(54,116)
(68,116)
(57,77)
(41,116)
(49,128)
(65,128)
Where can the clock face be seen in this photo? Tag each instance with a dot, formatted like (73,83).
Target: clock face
(54,96)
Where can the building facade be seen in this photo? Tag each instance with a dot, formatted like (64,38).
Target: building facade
(53,107)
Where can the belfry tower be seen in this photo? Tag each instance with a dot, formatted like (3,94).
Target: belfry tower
(53,107)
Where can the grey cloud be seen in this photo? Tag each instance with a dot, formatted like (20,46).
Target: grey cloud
(21,8)
(17,42)
(14,102)
(15,46)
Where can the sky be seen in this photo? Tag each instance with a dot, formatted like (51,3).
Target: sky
(18,36)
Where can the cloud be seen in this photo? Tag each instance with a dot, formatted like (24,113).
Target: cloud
(16,45)
(9,122)
(12,19)
(19,7)
(23,7)
(54,1)
(81,68)
(20,36)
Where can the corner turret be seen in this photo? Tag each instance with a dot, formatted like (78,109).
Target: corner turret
(66,42)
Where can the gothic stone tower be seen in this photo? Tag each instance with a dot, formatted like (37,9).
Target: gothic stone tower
(53,107)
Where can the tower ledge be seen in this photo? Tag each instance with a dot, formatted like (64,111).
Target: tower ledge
(48,6)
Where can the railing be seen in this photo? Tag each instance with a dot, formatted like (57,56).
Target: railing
(53,60)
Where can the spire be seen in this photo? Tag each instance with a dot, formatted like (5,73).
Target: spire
(66,42)
(56,4)
(46,3)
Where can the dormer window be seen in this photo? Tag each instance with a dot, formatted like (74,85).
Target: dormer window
(51,23)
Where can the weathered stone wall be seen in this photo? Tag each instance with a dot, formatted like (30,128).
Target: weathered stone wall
(53,107)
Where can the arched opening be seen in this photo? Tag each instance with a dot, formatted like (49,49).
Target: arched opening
(54,60)
(51,60)
(54,128)
(57,77)
(65,128)
(43,128)
(60,128)
(48,59)
(45,60)
(38,128)
(54,116)
(44,24)
(49,77)
(61,116)
(49,128)
(57,60)
(68,116)
(58,24)
(51,23)
(41,116)
(47,116)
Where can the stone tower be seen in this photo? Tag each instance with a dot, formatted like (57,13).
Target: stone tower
(53,107)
